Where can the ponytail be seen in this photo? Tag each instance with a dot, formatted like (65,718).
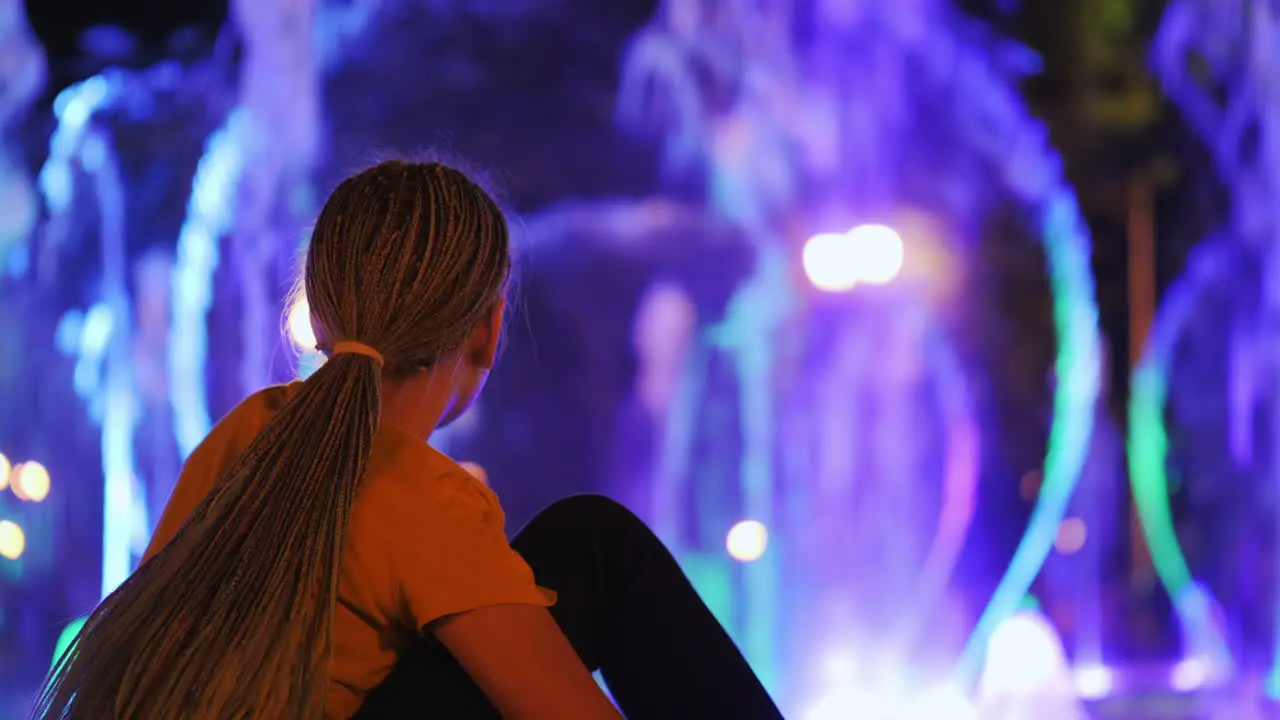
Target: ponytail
(233,619)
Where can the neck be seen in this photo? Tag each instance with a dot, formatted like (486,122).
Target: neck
(411,408)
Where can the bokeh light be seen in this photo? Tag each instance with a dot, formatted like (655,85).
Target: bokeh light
(878,253)
(829,262)
(12,540)
(837,262)
(1023,654)
(1027,673)
(5,469)
(30,481)
(1072,534)
(1192,673)
(747,541)
(1029,485)
(299,324)
(1094,681)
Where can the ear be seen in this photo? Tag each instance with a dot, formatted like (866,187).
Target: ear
(484,352)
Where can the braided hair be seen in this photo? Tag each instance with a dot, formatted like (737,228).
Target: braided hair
(234,617)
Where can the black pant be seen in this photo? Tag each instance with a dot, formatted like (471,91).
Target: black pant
(630,613)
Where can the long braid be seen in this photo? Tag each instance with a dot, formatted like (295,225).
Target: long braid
(234,617)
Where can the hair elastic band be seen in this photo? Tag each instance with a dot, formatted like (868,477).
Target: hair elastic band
(352,347)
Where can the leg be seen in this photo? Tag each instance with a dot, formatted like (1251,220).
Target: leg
(628,610)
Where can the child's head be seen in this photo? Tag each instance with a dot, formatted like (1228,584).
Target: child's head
(412,260)
(234,616)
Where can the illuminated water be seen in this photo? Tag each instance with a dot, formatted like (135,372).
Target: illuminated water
(843,401)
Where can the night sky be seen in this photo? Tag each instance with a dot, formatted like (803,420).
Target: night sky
(59,22)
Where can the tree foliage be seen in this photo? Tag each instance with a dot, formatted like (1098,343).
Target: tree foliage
(1104,108)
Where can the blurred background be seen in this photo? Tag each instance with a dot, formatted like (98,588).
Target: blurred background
(938,339)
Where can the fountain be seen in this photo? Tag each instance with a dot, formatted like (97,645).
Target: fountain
(253,205)
(276,124)
(1216,322)
(100,337)
(739,104)
(766,141)
(22,77)
(1027,673)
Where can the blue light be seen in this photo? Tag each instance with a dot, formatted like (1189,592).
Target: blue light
(99,338)
(23,71)
(81,152)
(1237,124)
(73,108)
(209,216)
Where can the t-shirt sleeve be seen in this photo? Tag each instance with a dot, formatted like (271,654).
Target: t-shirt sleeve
(455,557)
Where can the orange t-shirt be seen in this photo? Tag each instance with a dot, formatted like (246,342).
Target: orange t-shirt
(425,540)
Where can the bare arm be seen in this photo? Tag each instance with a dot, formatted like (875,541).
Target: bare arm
(524,664)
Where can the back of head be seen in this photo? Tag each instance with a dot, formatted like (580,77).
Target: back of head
(233,618)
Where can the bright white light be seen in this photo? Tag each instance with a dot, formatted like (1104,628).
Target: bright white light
(1026,674)
(1191,674)
(839,668)
(833,707)
(830,262)
(853,701)
(1094,681)
(12,540)
(300,330)
(5,467)
(1024,651)
(747,541)
(30,482)
(1208,660)
(878,253)
(848,702)
(946,701)
(837,262)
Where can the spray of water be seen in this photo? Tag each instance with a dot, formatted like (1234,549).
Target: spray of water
(848,132)
(22,77)
(100,337)
(1242,130)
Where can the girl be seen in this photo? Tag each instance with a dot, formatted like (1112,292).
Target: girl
(319,560)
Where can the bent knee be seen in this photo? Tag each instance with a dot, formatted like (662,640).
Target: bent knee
(591,504)
(594,510)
